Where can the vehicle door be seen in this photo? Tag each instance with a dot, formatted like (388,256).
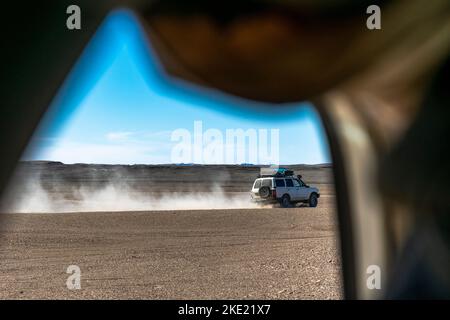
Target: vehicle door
(302,190)
(280,186)
(291,189)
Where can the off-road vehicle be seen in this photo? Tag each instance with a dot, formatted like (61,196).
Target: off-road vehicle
(283,187)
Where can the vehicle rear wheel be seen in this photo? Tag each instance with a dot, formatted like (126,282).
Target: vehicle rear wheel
(313,200)
(286,201)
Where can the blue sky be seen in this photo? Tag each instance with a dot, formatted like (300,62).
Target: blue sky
(118,106)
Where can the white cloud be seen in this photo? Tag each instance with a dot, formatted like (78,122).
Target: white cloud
(116,147)
(119,135)
(119,152)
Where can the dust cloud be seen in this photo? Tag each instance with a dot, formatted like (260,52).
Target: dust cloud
(32,195)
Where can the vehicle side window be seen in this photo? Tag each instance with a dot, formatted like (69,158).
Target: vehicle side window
(279,183)
(289,183)
(296,183)
(267,183)
(257,184)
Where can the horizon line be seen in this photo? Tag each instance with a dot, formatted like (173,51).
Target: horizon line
(178,164)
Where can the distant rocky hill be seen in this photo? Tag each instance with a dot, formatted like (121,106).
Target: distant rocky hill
(64,178)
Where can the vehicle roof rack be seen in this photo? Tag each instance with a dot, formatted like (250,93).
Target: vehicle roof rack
(277,173)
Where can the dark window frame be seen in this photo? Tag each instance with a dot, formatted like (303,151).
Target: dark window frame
(280,180)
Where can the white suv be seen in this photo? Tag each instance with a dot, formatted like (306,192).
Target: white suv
(286,190)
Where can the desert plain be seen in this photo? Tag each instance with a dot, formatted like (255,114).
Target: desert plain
(163,232)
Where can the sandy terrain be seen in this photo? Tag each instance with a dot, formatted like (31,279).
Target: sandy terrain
(238,252)
(242,253)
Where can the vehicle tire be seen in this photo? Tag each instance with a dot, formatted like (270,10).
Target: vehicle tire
(286,201)
(264,192)
(313,200)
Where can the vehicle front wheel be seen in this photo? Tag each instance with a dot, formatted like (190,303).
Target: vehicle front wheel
(313,200)
(286,201)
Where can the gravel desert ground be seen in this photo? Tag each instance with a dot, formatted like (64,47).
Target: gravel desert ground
(245,253)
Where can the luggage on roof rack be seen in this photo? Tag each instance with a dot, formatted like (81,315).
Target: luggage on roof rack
(280,172)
